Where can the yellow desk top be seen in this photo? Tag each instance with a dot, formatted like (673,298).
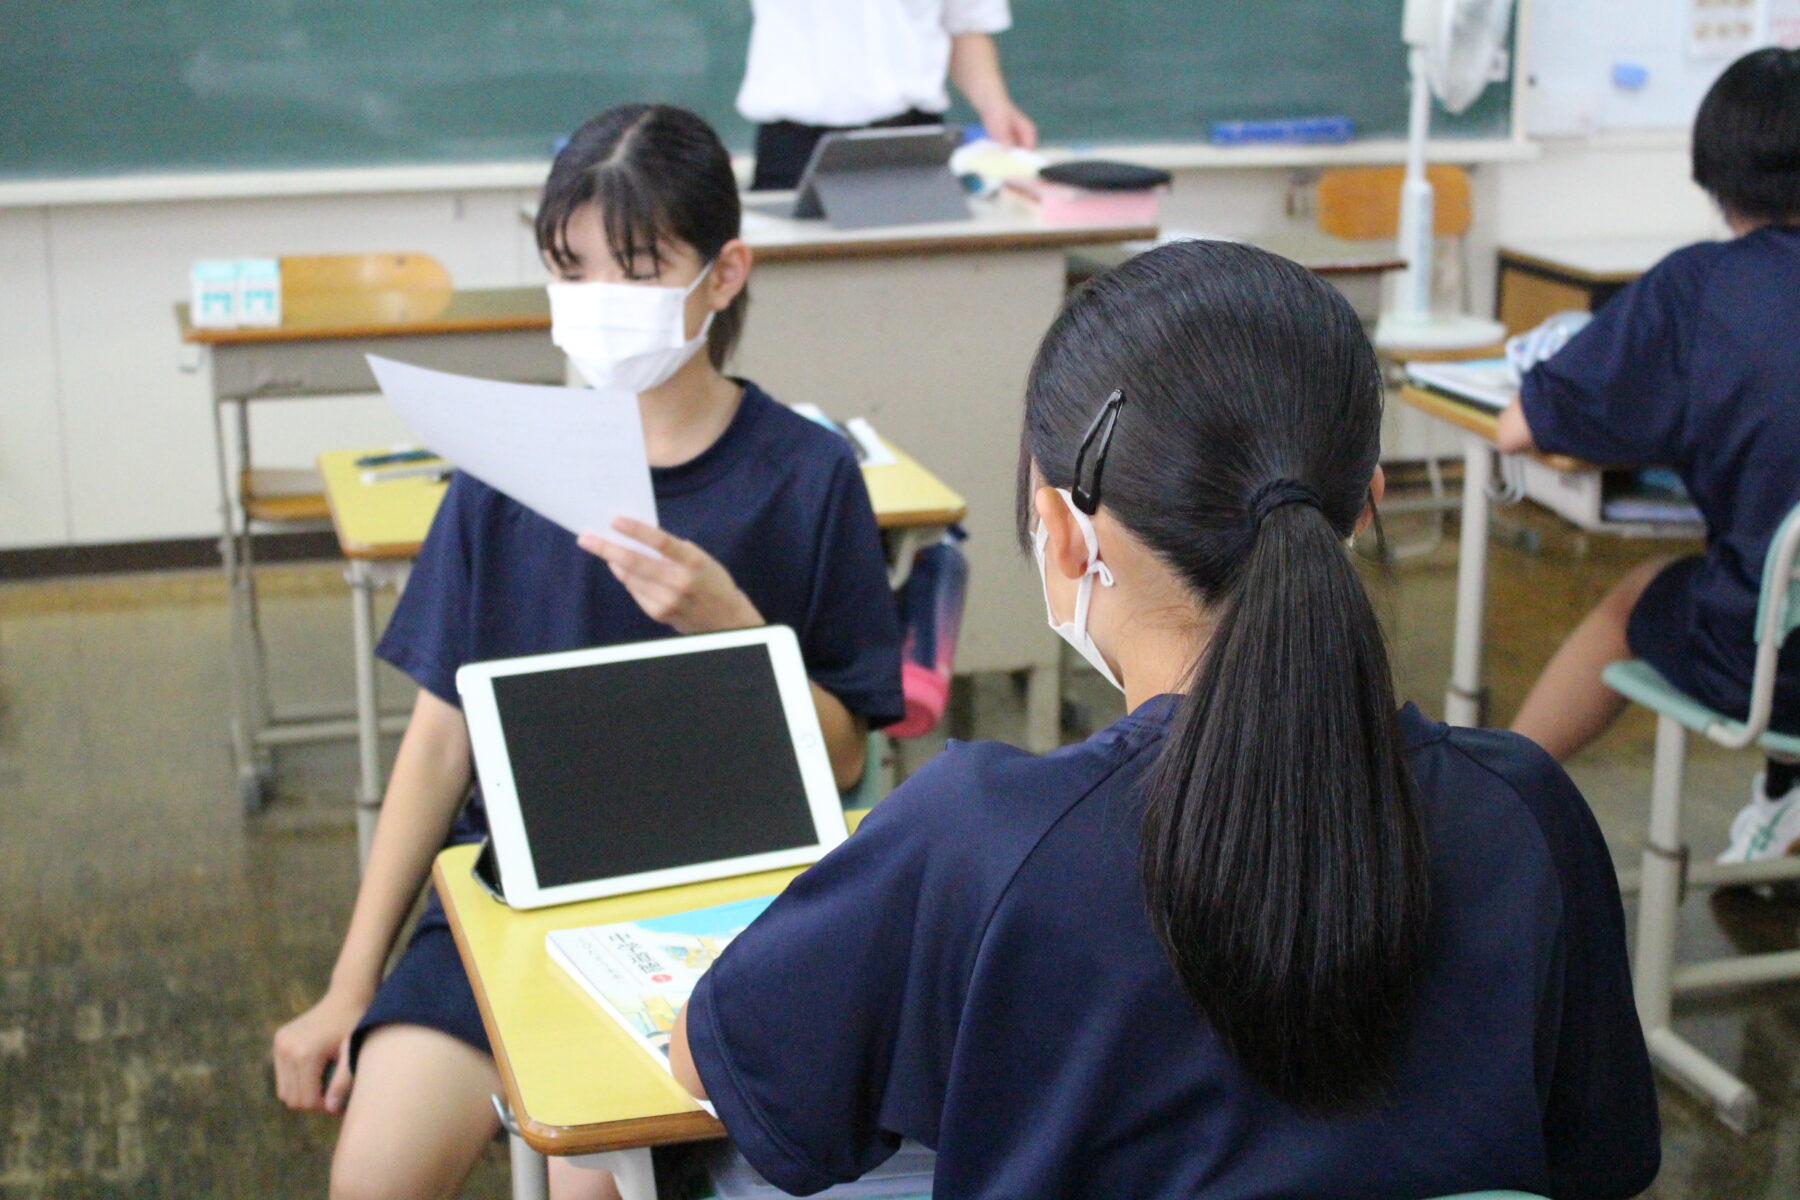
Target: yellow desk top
(1478,421)
(389,519)
(576,1082)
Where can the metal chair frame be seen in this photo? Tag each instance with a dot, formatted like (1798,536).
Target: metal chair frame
(1666,873)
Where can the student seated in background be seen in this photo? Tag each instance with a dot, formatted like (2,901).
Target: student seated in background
(816,68)
(765,519)
(1267,934)
(1695,366)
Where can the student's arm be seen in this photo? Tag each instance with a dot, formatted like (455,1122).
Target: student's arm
(1514,436)
(429,782)
(975,69)
(681,1058)
(690,591)
(846,738)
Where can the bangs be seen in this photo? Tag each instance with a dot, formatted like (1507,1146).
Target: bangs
(635,220)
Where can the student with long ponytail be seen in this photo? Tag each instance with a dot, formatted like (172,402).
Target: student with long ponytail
(1267,935)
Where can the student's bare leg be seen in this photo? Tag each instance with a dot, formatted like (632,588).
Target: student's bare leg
(418,1119)
(570,1182)
(1568,706)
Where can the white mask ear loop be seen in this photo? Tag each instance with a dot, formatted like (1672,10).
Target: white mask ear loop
(1094,566)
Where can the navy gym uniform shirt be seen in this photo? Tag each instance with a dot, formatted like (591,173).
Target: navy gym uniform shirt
(777,499)
(1696,366)
(974,968)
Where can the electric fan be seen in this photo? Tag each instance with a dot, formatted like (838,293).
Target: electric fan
(1455,48)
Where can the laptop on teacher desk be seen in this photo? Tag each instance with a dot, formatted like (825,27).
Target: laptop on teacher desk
(868,178)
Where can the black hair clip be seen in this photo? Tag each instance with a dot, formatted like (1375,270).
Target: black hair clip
(1087,495)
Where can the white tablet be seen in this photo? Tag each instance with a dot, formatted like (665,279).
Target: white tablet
(642,766)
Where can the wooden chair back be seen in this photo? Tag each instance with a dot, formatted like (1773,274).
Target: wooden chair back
(1364,202)
(362,288)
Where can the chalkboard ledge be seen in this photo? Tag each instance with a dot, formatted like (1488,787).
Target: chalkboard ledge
(491,176)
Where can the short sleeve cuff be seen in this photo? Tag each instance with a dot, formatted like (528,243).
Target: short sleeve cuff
(880,708)
(755,1137)
(434,677)
(1541,417)
(977,16)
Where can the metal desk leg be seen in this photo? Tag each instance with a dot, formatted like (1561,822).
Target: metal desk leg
(361,577)
(246,715)
(530,1171)
(1465,701)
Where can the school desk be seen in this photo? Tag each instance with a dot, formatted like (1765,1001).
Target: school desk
(574,1082)
(929,331)
(380,527)
(1465,701)
(1332,257)
(318,351)
(1538,277)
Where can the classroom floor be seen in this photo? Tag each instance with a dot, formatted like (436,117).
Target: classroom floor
(152,937)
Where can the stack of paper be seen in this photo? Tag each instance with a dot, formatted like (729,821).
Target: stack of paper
(1489,382)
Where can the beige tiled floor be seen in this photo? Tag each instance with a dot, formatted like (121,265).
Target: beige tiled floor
(152,937)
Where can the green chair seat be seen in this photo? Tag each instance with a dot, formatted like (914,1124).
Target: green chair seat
(1638,680)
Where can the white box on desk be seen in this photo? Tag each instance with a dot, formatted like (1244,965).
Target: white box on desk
(259,291)
(213,293)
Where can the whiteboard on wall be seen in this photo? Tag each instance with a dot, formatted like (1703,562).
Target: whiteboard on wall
(1603,66)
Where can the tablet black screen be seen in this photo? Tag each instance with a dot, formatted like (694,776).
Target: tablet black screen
(651,763)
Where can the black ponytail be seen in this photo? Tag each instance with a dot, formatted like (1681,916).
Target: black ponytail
(657,172)
(1283,859)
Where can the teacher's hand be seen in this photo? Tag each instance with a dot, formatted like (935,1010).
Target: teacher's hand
(686,588)
(1004,123)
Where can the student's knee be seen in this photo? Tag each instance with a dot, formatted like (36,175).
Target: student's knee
(419,1116)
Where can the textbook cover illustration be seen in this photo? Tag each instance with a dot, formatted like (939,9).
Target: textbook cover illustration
(642,972)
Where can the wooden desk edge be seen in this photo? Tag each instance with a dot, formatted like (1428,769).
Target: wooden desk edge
(1561,270)
(262,335)
(1049,238)
(1470,419)
(693,1125)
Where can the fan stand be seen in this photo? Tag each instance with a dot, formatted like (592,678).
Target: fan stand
(1412,326)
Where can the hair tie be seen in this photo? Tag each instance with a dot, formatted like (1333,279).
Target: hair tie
(1277,493)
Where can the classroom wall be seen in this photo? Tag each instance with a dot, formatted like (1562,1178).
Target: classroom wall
(105,430)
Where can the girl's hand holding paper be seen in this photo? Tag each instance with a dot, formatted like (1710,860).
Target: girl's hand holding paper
(685,588)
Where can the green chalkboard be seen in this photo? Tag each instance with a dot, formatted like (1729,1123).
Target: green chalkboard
(100,87)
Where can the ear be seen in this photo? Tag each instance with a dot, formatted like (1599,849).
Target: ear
(730,273)
(1377,489)
(1064,547)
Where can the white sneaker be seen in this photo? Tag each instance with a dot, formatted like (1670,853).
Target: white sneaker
(1765,828)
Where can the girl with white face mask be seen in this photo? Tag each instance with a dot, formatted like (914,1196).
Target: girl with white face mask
(764,520)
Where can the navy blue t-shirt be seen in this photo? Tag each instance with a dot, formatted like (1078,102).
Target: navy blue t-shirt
(1696,366)
(778,500)
(975,969)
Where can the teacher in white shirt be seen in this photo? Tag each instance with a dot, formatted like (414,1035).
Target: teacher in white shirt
(815,67)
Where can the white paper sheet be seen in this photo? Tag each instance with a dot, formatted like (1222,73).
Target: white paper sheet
(572,455)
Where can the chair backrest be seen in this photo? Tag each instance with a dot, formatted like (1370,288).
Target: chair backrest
(355,289)
(313,273)
(1364,202)
(1777,613)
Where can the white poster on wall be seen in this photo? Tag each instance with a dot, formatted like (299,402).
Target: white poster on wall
(1721,28)
(1784,23)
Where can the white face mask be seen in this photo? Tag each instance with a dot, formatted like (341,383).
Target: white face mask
(1075,632)
(629,336)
